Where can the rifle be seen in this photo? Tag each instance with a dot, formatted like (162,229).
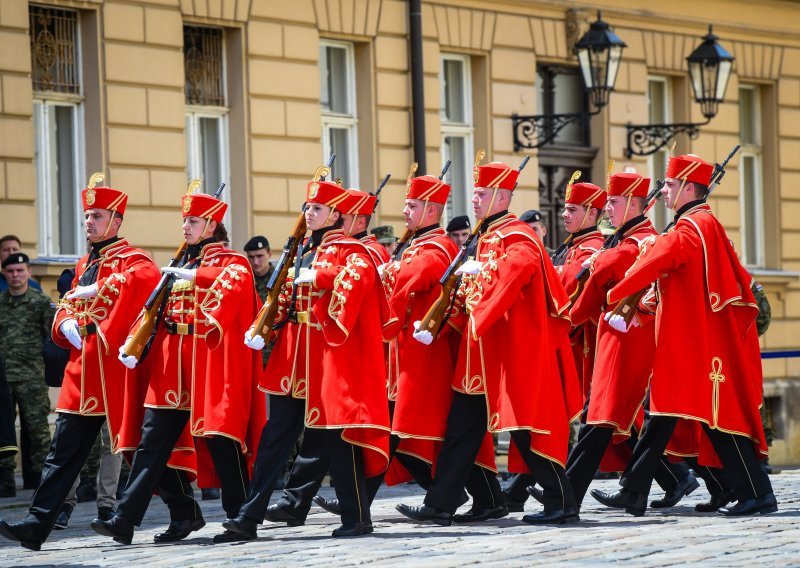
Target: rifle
(401,244)
(265,320)
(627,307)
(138,345)
(377,193)
(437,314)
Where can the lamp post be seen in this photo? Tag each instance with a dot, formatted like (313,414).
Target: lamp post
(599,53)
(710,67)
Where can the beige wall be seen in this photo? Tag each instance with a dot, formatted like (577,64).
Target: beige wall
(135,109)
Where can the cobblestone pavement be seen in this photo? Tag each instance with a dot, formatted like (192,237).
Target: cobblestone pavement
(677,537)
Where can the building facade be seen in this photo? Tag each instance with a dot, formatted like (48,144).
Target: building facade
(257,94)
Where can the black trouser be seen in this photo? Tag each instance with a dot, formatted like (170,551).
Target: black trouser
(586,455)
(715,479)
(72,441)
(737,454)
(160,432)
(311,465)
(231,468)
(419,469)
(324,449)
(280,433)
(466,427)
(346,462)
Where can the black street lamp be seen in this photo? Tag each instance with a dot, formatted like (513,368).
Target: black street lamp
(599,53)
(710,67)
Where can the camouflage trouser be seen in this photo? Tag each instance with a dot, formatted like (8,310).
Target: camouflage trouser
(33,401)
(768,423)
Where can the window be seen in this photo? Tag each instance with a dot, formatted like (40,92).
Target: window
(750,176)
(339,115)
(207,157)
(660,104)
(58,128)
(457,131)
(561,91)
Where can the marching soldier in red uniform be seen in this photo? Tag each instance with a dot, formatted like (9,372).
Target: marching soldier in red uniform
(583,206)
(509,289)
(311,466)
(201,378)
(323,368)
(584,203)
(623,362)
(110,285)
(707,338)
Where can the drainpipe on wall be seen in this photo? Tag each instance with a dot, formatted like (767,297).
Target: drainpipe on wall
(417,82)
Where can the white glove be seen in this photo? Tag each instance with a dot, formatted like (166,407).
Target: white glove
(586,263)
(469,267)
(423,336)
(253,342)
(128,360)
(306,276)
(69,329)
(381,270)
(183,273)
(618,322)
(83,292)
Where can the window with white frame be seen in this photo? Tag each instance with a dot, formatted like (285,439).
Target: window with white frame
(207,157)
(659,97)
(339,115)
(58,128)
(457,130)
(750,176)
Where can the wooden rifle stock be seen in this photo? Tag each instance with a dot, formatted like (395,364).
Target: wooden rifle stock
(627,306)
(437,313)
(136,344)
(265,320)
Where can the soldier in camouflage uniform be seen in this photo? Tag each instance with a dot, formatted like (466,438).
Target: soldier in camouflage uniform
(258,253)
(25,319)
(385,236)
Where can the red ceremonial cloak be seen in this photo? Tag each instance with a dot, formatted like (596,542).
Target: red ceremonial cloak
(583,339)
(95,382)
(707,363)
(420,375)
(517,314)
(208,370)
(334,358)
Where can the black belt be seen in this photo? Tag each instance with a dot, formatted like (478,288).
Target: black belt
(88,329)
(179,328)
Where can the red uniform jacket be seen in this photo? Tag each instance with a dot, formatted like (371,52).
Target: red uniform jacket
(95,382)
(509,353)
(707,364)
(623,361)
(584,337)
(420,375)
(205,368)
(333,356)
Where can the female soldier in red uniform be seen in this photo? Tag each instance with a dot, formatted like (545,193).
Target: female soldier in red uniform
(201,376)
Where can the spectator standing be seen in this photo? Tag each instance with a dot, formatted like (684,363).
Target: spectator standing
(26,315)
